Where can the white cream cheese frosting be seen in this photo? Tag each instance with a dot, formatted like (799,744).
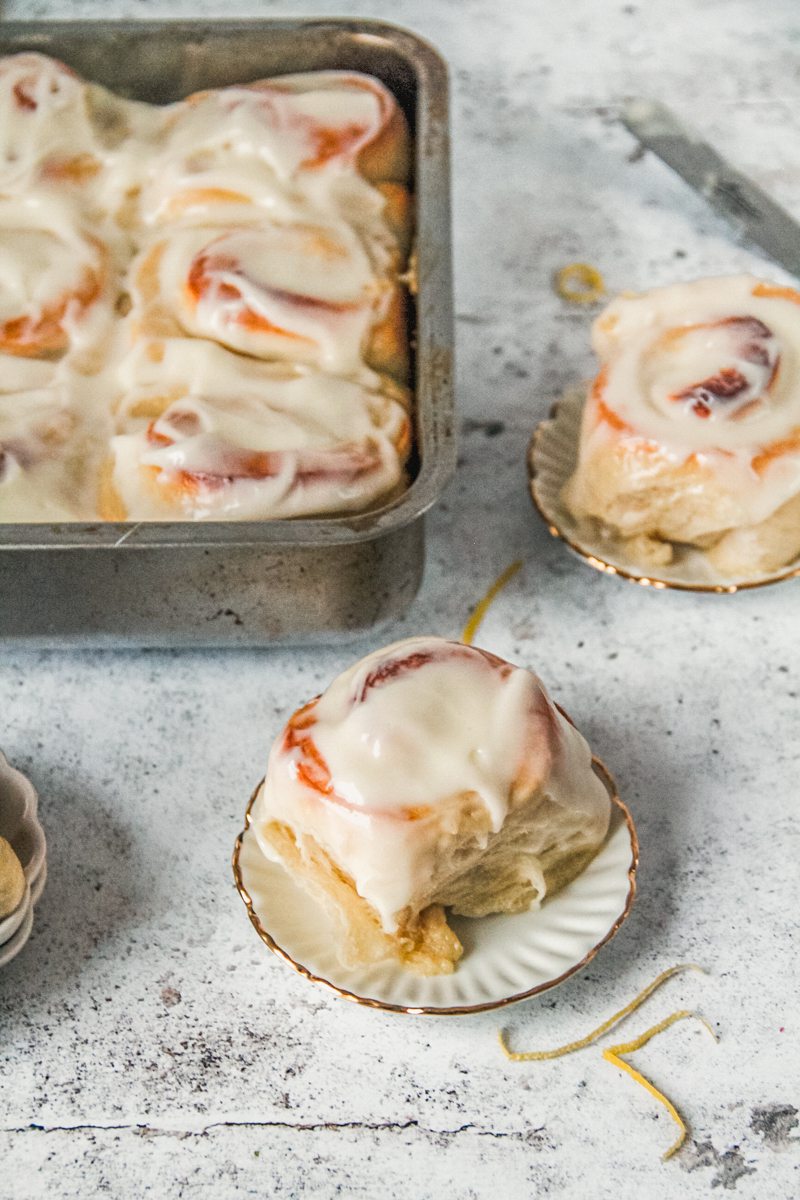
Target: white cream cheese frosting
(38,473)
(54,294)
(288,145)
(235,231)
(372,768)
(46,120)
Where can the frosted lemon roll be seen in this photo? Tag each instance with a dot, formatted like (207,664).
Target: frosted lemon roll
(691,430)
(296,293)
(430,775)
(322,139)
(50,131)
(206,433)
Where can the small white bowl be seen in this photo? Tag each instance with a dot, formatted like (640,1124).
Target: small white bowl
(20,826)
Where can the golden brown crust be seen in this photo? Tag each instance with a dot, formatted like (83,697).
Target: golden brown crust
(398,212)
(109,502)
(636,491)
(387,159)
(387,348)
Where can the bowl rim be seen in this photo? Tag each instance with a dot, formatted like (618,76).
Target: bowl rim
(11,948)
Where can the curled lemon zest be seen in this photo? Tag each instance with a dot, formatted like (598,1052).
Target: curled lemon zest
(615,1019)
(579,283)
(613,1054)
(482,607)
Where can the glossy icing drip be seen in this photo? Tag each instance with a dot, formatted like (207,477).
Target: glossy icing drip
(373,767)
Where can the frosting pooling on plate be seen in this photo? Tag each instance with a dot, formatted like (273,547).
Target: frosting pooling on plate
(376,768)
(230,233)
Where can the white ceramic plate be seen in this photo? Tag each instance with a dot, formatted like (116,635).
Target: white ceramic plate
(506,958)
(551,461)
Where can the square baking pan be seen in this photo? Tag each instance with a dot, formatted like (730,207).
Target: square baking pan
(251,583)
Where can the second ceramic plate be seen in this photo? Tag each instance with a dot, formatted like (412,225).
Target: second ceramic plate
(551,461)
(506,958)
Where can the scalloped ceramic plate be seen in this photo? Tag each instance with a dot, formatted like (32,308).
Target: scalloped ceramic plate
(551,461)
(506,958)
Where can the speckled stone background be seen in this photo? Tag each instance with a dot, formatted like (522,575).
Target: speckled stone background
(150,1044)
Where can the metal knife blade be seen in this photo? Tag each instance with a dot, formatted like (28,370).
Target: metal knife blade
(750,210)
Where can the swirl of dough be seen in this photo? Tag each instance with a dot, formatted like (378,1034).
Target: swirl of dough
(48,132)
(206,434)
(305,293)
(51,274)
(709,365)
(40,479)
(294,124)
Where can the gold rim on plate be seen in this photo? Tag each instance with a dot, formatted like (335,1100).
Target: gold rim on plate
(429,1010)
(555,519)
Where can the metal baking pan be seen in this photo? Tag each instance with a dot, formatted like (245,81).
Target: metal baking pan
(255,582)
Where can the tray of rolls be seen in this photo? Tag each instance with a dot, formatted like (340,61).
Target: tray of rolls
(226,332)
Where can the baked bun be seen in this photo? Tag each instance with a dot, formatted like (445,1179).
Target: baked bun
(204,433)
(691,430)
(302,293)
(245,143)
(42,476)
(49,133)
(430,775)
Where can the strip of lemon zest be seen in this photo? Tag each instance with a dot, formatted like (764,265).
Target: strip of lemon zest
(613,1054)
(579,283)
(570,1047)
(481,609)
